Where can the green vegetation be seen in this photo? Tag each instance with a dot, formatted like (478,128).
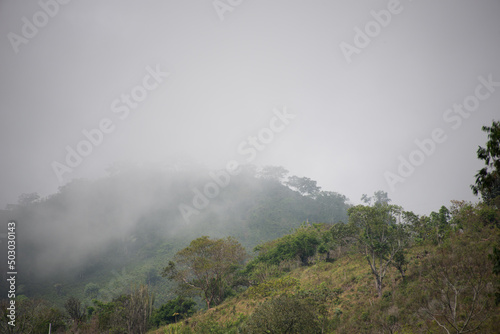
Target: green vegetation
(449,285)
(32,316)
(488,178)
(379,237)
(302,245)
(173,311)
(436,273)
(207,266)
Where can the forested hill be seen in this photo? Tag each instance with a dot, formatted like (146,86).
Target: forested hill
(170,251)
(91,229)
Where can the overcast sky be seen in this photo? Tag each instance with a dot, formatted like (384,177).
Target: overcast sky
(360,81)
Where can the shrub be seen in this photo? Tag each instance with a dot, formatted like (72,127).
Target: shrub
(173,310)
(284,314)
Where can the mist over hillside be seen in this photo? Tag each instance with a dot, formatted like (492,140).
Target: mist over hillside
(207,166)
(92,225)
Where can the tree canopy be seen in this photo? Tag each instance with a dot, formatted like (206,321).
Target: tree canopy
(379,237)
(207,266)
(303,185)
(488,178)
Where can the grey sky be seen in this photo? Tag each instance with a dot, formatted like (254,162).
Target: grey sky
(352,119)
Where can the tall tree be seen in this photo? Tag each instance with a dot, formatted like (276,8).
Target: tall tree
(207,266)
(304,185)
(488,178)
(276,173)
(333,206)
(378,236)
(459,288)
(440,222)
(75,310)
(138,310)
(379,196)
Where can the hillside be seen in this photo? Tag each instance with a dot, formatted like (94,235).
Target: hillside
(198,251)
(122,229)
(463,259)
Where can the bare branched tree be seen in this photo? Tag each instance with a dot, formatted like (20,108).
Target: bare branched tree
(139,309)
(459,289)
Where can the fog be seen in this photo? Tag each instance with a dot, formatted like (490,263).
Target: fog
(337,91)
(86,219)
(142,212)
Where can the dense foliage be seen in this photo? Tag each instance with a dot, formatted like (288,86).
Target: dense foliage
(443,283)
(488,177)
(207,266)
(173,311)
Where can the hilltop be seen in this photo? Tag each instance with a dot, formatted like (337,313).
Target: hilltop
(120,230)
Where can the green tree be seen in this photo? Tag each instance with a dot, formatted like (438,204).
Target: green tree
(301,244)
(74,309)
(440,221)
(488,178)
(111,316)
(379,197)
(304,185)
(333,206)
(418,227)
(207,266)
(400,262)
(173,310)
(32,316)
(378,236)
(275,173)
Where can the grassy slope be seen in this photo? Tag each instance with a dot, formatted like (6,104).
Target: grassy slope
(362,310)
